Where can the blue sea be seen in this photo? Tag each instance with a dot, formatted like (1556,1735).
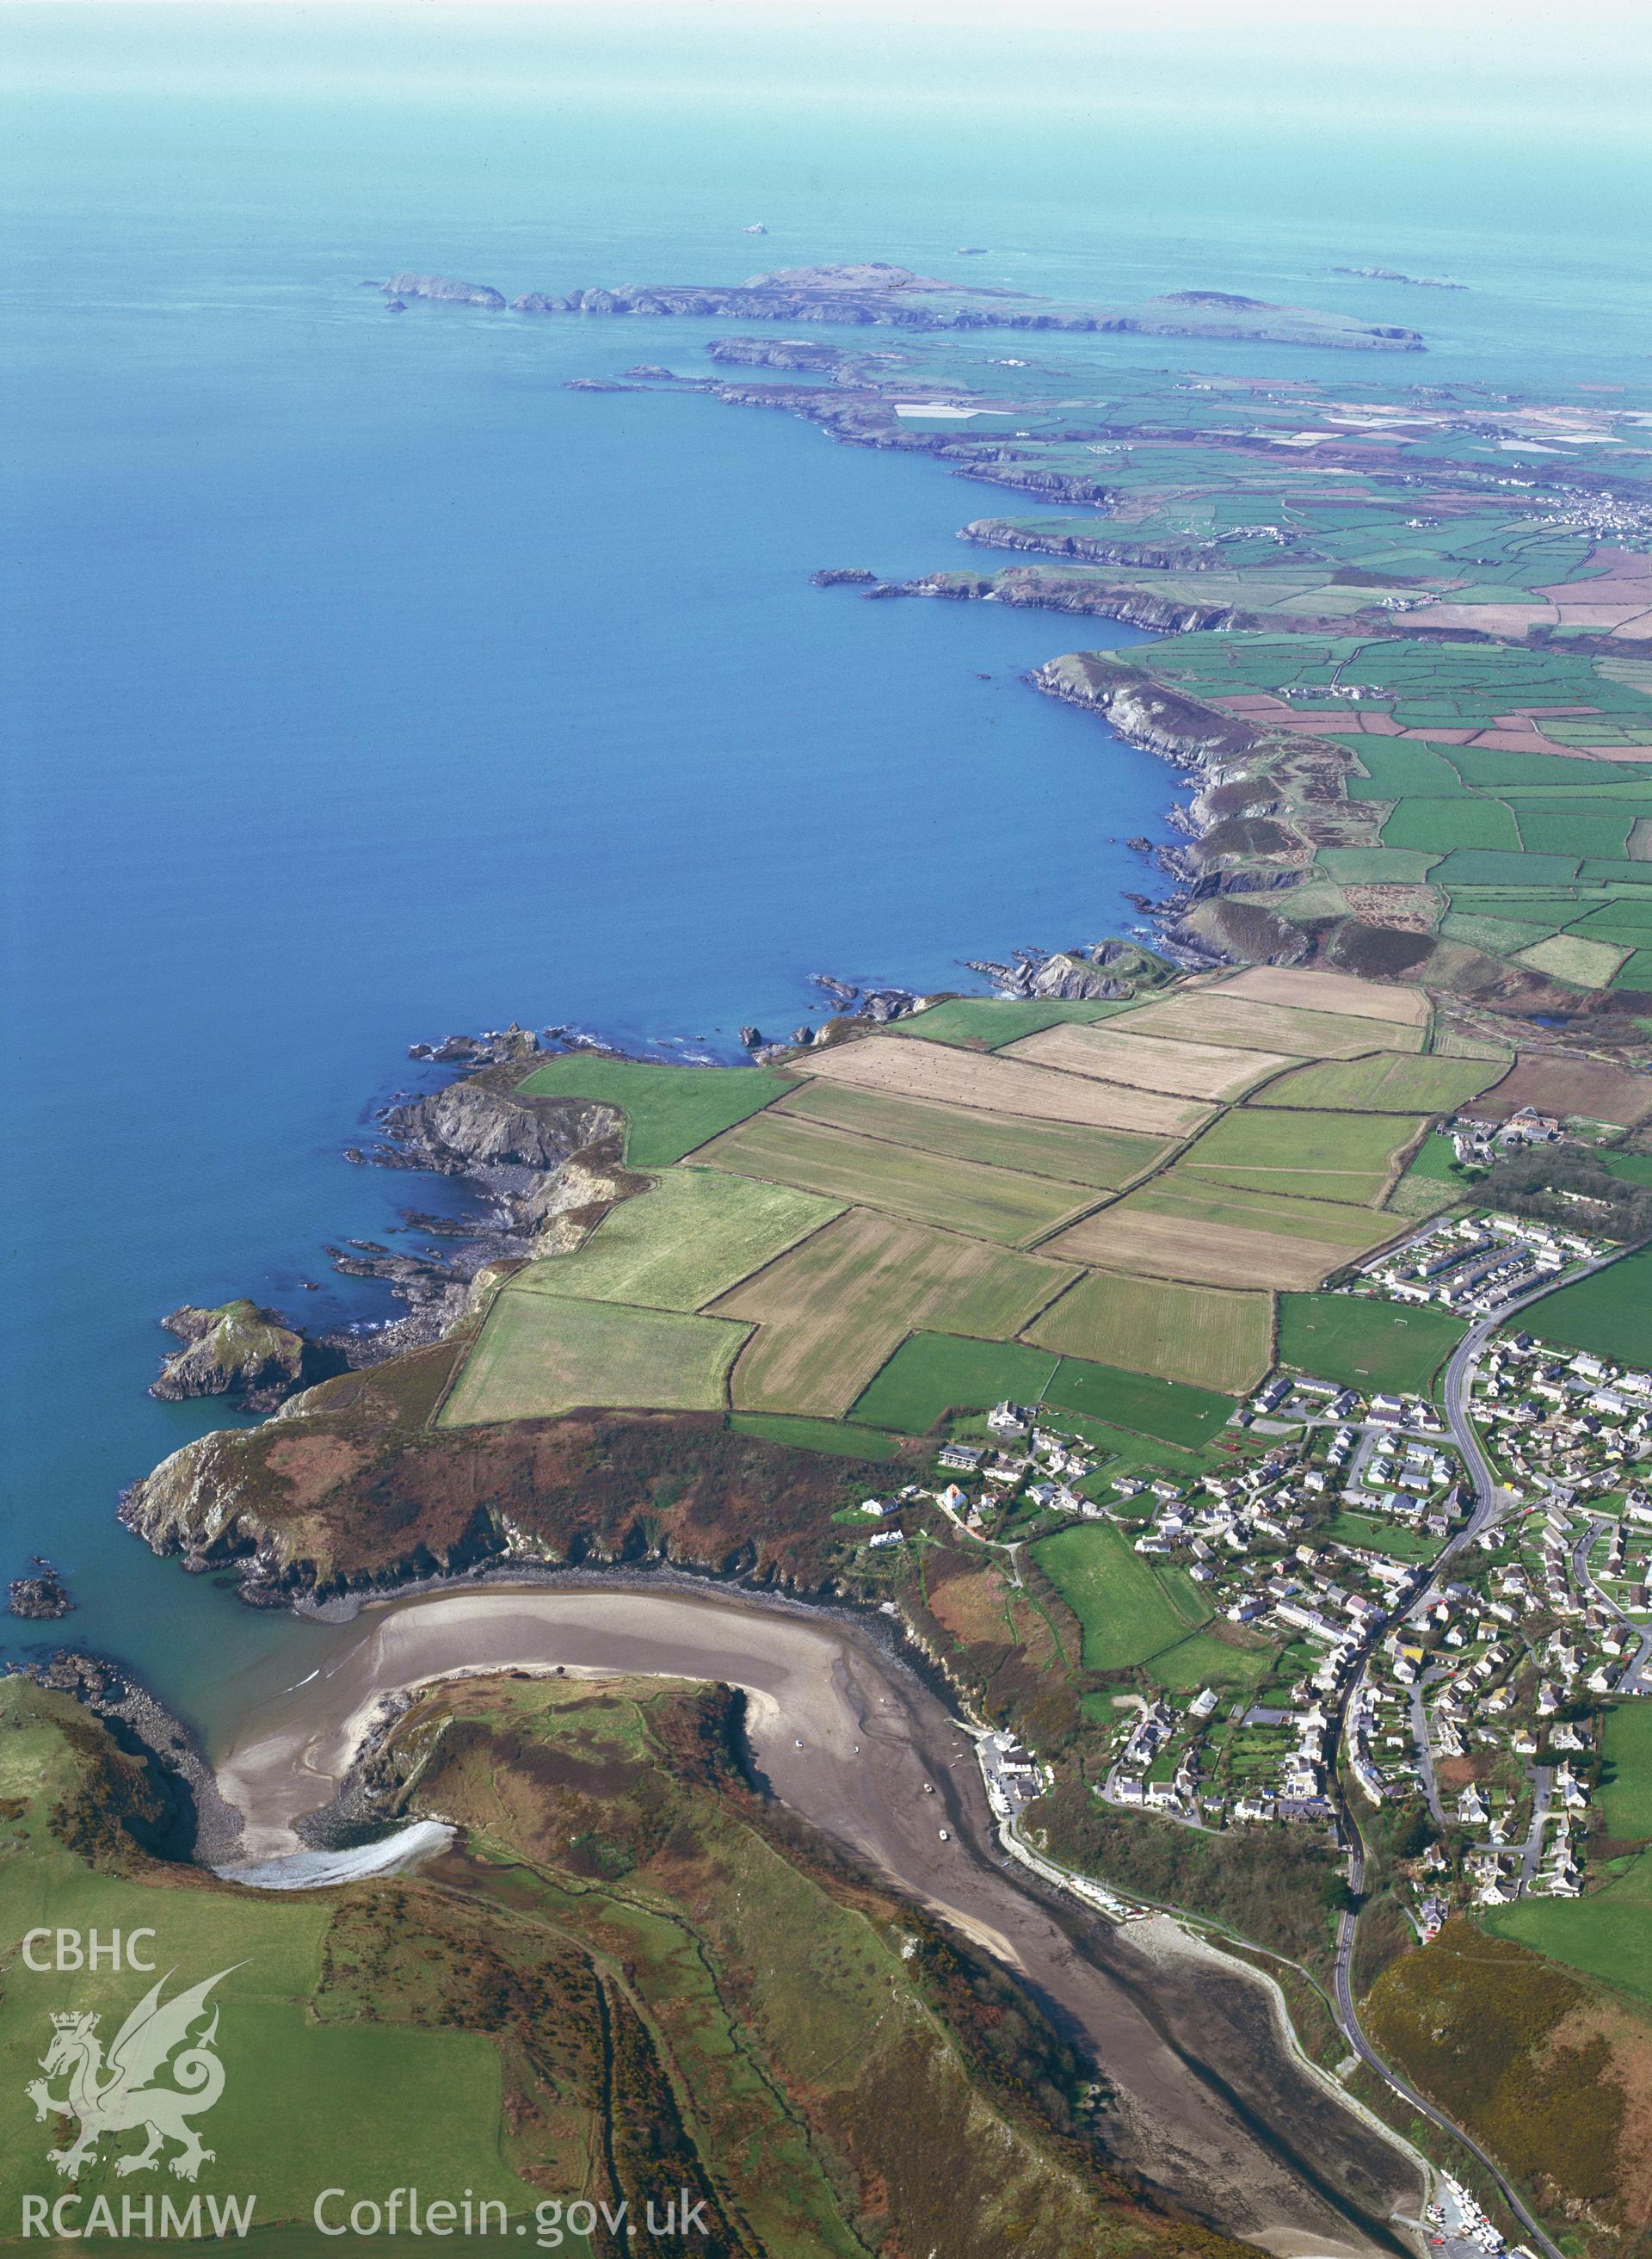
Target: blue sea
(360,683)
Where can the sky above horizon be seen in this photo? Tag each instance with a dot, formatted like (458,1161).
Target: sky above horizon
(1520,67)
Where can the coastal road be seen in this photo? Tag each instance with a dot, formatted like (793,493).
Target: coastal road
(1212,2106)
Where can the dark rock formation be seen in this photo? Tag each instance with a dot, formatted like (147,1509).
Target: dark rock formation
(493,1047)
(841,576)
(41,1596)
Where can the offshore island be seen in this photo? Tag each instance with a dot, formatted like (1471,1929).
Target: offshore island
(1155,1449)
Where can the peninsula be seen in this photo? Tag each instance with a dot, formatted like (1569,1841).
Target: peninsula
(875,293)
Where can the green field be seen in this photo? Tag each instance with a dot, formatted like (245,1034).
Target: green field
(1376,866)
(1610,1313)
(1330,1156)
(835,1308)
(1607,1934)
(1585,964)
(1364,1344)
(1378,1535)
(984,1023)
(1390,1082)
(932,1374)
(538,1354)
(1439,825)
(1103,1159)
(692,1237)
(1129,1608)
(836,1437)
(669,1109)
(1200,1335)
(989,1203)
(1434,1157)
(1165,1408)
(1203,1660)
(1625,1794)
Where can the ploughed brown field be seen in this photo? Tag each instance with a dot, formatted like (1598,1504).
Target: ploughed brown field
(1192,1248)
(1330,992)
(1004,1086)
(1563,1087)
(1111,1054)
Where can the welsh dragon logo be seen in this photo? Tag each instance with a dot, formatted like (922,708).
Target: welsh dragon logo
(119,2095)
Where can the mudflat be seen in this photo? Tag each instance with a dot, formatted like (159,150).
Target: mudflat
(1213,2107)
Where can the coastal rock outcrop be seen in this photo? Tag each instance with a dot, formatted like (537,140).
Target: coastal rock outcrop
(493,1047)
(237,1348)
(468,1128)
(41,1596)
(1160,721)
(443,291)
(1097,548)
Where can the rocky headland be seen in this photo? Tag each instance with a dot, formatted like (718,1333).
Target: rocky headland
(239,1349)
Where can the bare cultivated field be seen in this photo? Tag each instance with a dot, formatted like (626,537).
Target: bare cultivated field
(832,1311)
(1148,1063)
(1002,1085)
(1330,992)
(1215,1016)
(1564,1087)
(1204,1253)
(1194,1333)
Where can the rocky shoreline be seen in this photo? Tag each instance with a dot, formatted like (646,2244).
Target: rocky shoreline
(205,1828)
(543,1170)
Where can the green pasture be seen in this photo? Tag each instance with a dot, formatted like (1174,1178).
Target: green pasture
(1626,1793)
(840,1439)
(1168,1410)
(1131,1609)
(1439,825)
(1204,1336)
(1365,1343)
(539,1355)
(1609,1313)
(693,1235)
(669,1111)
(986,1023)
(1606,1935)
(1331,1155)
(1389,1082)
(932,1374)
